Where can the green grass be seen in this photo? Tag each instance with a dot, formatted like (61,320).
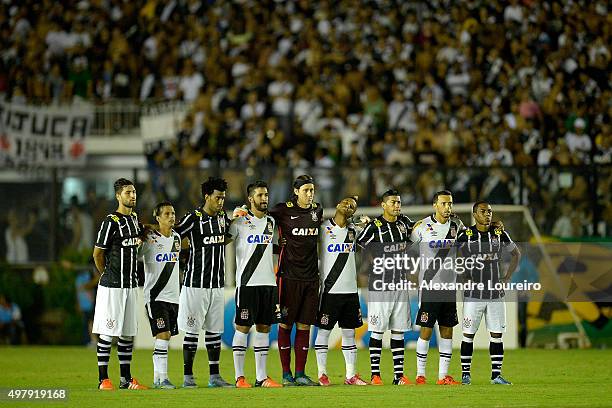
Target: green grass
(542,378)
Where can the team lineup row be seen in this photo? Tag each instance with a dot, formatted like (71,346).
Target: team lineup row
(296,290)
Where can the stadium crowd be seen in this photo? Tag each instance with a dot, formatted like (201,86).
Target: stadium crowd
(478,83)
(343,87)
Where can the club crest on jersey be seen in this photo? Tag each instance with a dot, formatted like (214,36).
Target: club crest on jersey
(401,228)
(314,216)
(222,221)
(424,317)
(324,319)
(177,245)
(244,314)
(453,231)
(190,321)
(160,323)
(110,323)
(277,311)
(270,227)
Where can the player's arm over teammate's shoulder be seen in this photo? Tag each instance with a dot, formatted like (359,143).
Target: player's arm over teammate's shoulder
(416,235)
(406,220)
(461,241)
(233,231)
(278,209)
(186,223)
(367,234)
(460,225)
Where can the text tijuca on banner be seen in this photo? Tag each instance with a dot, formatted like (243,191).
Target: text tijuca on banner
(44,136)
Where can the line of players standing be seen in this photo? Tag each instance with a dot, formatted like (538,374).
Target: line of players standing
(297,293)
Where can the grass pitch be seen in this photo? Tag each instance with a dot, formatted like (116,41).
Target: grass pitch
(542,378)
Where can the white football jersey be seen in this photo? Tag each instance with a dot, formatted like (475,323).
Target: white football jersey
(436,243)
(254,243)
(161,264)
(338,269)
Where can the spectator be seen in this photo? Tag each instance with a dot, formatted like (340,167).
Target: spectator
(578,142)
(80,83)
(81,226)
(15,236)
(85,284)
(11,325)
(190,82)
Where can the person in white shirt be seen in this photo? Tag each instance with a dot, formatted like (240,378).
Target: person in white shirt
(160,252)
(190,83)
(257,301)
(435,236)
(339,298)
(579,142)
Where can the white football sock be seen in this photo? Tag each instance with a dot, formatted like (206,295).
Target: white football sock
(321,346)
(261,345)
(445,346)
(239,346)
(349,349)
(160,360)
(422,349)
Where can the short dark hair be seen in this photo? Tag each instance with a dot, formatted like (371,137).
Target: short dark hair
(258,184)
(389,193)
(120,184)
(301,180)
(212,184)
(477,203)
(441,193)
(158,207)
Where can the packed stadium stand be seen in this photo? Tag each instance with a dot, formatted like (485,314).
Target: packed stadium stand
(505,100)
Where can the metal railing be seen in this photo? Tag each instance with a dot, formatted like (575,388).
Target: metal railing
(121,117)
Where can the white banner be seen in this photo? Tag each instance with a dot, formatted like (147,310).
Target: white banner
(161,123)
(44,136)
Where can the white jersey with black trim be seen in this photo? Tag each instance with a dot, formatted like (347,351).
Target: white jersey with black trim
(254,243)
(161,265)
(436,242)
(337,255)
